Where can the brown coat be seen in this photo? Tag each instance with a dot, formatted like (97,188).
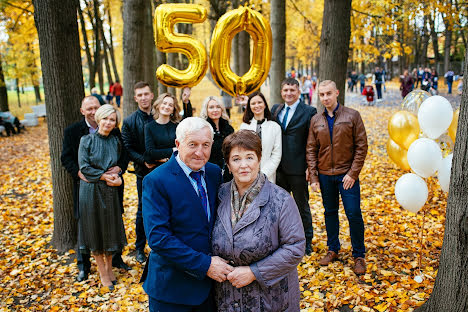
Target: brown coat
(349,149)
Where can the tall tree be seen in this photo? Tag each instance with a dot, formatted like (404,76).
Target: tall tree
(278,58)
(450,291)
(334,44)
(89,59)
(57,27)
(97,46)
(111,43)
(3,90)
(133,49)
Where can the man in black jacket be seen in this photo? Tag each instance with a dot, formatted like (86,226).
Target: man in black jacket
(133,134)
(294,119)
(69,158)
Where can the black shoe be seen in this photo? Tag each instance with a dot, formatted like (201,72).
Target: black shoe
(82,275)
(308,250)
(140,257)
(119,264)
(114,282)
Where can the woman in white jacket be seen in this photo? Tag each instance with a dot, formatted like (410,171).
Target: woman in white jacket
(258,118)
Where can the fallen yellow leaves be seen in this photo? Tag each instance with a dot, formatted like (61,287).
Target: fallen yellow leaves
(33,277)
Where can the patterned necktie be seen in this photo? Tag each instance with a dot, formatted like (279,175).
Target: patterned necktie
(196,175)
(285,118)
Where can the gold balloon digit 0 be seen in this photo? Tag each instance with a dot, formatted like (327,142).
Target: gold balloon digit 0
(165,17)
(231,23)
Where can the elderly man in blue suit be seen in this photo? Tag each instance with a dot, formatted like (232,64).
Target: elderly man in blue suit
(179,208)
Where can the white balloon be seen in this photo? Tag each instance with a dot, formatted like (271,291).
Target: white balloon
(445,168)
(424,156)
(411,192)
(435,115)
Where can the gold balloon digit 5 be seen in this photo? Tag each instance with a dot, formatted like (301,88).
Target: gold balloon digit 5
(165,17)
(226,28)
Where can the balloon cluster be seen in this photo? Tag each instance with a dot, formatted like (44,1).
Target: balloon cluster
(414,144)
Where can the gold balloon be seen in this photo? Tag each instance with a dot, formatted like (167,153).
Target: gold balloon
(452,129)
(165,17)
(413,100)
(231,23)
(397,155)
(403,128)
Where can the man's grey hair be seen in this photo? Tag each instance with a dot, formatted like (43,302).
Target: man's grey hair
(190,125)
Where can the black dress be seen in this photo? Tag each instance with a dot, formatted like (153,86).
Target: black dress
(159,141)
(100,226)
(216,156)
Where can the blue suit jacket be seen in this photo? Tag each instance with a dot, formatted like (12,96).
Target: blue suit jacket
(178,234)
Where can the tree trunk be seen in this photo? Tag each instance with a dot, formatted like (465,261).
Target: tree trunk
(334,44)
(171,61)
(3,91)
(243,52)
(435,42)
(425,43)
(18,92)
(97,51)
(149,47)
(92,72)
(278,58)
(133,50)
(447,45)
(450,291)
(57,27)
(37,93)
(161,59)
(111,47)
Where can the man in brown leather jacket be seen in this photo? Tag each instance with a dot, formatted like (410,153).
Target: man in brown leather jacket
(336,150)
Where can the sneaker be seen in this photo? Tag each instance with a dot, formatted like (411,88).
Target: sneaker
(360,266)
(329,257)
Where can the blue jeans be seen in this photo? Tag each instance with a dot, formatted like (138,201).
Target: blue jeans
(139,228)
(331,187)
(449,86)
(378,87)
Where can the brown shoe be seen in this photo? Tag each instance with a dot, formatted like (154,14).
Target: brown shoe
(329,257)
(359,266)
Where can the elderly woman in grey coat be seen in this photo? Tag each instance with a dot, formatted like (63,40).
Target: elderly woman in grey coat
(258,229)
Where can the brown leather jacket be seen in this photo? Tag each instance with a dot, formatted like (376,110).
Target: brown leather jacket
(349,148)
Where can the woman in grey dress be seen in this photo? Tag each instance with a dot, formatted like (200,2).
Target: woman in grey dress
(258,229)
(100,225)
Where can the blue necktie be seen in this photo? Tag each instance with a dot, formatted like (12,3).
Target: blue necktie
(285,118)
(196,175)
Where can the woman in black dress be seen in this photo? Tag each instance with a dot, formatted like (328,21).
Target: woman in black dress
(160,134)
(100,225)
(214,112)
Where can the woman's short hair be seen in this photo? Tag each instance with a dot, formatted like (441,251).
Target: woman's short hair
(175,116)
(190,125)
(105,111)
(243,139)
(248,114)
(204,108)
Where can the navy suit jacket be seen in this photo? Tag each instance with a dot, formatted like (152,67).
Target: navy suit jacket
(294,139)
(178,234)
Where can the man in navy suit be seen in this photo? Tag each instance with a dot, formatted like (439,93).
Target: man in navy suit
(294,118)
(179,209)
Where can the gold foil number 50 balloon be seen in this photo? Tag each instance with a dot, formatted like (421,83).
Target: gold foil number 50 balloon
(226,28)
(165,17)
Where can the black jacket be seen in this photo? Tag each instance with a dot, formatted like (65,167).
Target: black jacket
(133,135)
(71,143)
(294,139)
(188,110)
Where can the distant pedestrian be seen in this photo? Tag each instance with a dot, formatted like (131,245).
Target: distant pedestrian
(362,82)
(378,79)
(117,92)
(407,83)
(449,80)
(94,92)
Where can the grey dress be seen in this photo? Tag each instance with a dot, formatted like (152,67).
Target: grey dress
(269,238)
(100,225)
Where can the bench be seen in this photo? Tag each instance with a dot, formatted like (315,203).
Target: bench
(30,120)
(39,110)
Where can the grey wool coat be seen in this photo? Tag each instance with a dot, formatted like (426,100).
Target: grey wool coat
(270,239)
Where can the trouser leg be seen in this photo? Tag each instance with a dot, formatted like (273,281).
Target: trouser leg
(352,205)
(139,229)
(83,261)
(330,197)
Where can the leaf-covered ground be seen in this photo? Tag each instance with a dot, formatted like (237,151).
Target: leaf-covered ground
(33,277)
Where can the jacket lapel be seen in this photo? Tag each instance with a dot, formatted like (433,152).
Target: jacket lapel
(276,113)
(297,115)
(186,184)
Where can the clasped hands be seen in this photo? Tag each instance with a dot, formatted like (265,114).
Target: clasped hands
(221,271)
(111,176)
